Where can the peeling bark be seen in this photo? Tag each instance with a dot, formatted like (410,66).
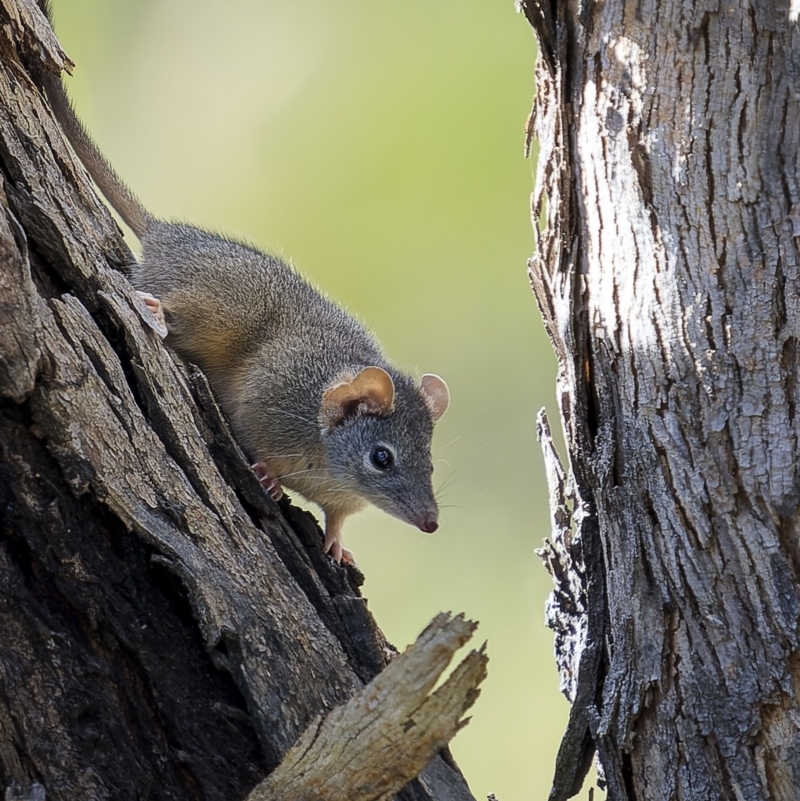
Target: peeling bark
(667,274)
(167,630)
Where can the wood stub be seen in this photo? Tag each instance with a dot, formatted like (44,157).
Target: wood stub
(371,746)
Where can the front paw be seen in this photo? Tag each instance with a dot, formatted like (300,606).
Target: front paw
(269,482)
(333,546)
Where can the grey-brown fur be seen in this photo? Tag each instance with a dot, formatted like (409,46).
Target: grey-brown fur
(285,362)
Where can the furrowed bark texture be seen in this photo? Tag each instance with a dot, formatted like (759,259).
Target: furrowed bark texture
(167,631)
(667,211)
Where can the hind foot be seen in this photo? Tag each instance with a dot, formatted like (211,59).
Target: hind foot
(155,319)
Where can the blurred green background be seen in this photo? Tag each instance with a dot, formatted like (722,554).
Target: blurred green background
(379,146)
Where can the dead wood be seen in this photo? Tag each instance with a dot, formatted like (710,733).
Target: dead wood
(370,747)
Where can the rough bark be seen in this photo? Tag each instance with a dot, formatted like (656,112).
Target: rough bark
(167,630)
(667,211)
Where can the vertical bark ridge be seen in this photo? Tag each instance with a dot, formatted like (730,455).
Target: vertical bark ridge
(682,156)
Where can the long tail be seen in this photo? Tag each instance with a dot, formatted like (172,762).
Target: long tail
(111,185)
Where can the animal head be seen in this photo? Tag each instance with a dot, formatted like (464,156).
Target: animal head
(377,433)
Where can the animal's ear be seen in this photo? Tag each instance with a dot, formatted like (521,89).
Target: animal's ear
(371,391)
(436,394)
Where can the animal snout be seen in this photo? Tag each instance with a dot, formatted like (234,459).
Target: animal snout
(429,525)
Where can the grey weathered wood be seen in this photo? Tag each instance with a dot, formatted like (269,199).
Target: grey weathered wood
(167,630)
(667,274)
(381,738)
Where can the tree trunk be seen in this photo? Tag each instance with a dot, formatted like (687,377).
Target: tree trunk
(667,272)
(167,631)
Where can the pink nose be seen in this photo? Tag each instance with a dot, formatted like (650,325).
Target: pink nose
(428,526)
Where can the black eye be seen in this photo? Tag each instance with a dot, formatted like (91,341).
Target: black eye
(382,458)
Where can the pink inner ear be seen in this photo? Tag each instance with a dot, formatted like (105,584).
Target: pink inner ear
(436,393)
(371,391)
(375,388)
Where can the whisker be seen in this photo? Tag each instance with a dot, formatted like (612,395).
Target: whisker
(447,483)
(468,465)
(307,471)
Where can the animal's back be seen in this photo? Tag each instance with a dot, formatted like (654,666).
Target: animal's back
(248,319)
